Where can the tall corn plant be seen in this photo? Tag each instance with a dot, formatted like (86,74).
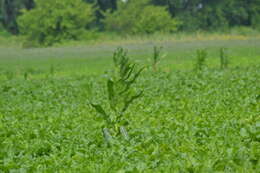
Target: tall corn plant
(120,95)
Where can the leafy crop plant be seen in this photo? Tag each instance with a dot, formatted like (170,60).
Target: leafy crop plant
(120,95)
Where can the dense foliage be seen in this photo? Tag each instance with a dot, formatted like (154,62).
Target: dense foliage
(144,16)
(9,11)
(214,14)
(139,17)
(186,121)
(195,14)
(52,21)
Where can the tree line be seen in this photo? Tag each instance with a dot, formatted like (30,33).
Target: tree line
(128,16)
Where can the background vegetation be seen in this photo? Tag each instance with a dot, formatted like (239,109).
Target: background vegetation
(45,22)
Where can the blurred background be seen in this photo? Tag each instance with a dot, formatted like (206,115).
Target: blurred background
(47,22)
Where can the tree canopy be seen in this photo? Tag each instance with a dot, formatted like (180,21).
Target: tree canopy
(145,16)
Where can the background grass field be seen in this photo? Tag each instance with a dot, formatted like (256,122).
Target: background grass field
(96,58)
(187,121)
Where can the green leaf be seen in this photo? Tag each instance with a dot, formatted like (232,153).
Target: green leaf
(111,94)
(128,102)
(100,110)
(136,75)
(110,89)
(130,71)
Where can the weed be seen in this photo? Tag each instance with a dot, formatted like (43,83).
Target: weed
(25,75)
(157,57)
(120,95)
(52,70)
(9,75)
(201,58)
(223,58)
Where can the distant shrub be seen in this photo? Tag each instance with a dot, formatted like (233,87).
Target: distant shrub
(256,21)
(53,21)
(3,32)
(206,19)
(27,44)
(138,17)
(242,30)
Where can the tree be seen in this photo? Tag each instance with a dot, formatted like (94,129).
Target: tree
(213,14)
(53,21)
(193,14)
(9,15)
(107,4)
(139,17)
(9,10)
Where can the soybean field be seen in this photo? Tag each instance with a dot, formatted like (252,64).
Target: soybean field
(188,106)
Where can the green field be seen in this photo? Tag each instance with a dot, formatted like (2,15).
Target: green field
(186,120)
